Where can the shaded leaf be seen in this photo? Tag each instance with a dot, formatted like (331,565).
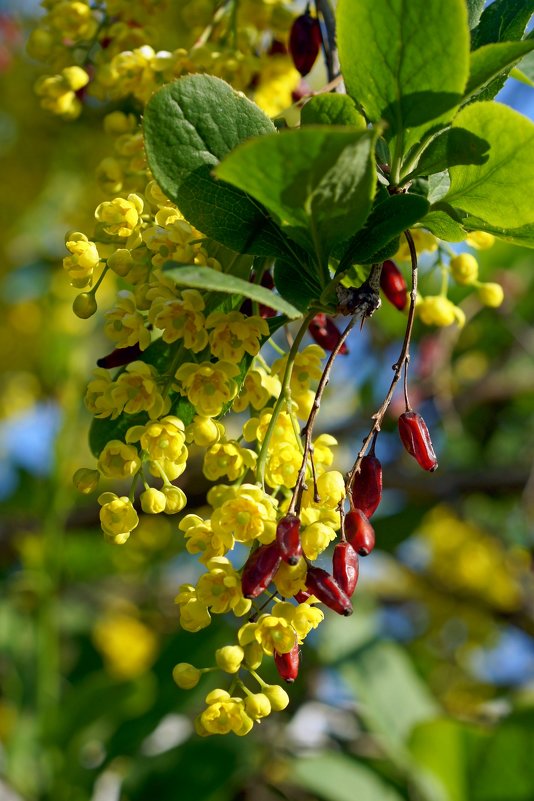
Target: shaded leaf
(492,60)
(337,777)
(331,109)
(452,147)
(502,21)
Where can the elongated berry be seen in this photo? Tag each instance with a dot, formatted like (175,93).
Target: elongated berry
(259,570)
(393,285)
(327,590)
(326,333)
(367,485)
(304,42)
(120,356)
(287,665)
(288,539)
(345,567)
(359,532)
(416,439)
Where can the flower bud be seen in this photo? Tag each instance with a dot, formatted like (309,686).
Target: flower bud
(359,532)
(259,569)
(84,305)
(185,675)
(257,706)
(416,439)
(367,485)
(153,501)
(464,269)
(327,590)
(287,665)
(491,295)
(277,696)
(288,539)
(304,42)
(345,567)
(393,285)
(86,480)
(229,658)
(175,499)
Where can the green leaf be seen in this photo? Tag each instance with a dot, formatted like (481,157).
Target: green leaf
(208,279)
(498,190)
(295,286)
(492,60)
(387,221)
(331,109)
(522,77)
(474,10)
(502,21)
(319,182)
(189,126)
(444,226)
(453,146)
(526,65)
(438,746)
(337,777)
(393,698)
(522,236)
(393,69)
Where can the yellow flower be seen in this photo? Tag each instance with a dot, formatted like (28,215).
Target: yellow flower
(58,92)
(480,240)
(153,501)
(289,579)
(208,386)
(204,431)
(277,696)
(117,517)
(161,439)
(257,706)
(234,334)
(127,645)
(98,397)
(275,634)
(73,20)
(439,310)
(124,325)
(316,538)
(250,514)
(136,390)
(224,715)
(306,618)
(423,241)
(220,588)
(229,658)
(186,675)
(118,460)
(306,368)
(278,79)
(257,388)
(82,261)
(464,269)
(175,499)
(283,465)
(227,459)
(194,614)
(120,216)
(201,539)
(181,318)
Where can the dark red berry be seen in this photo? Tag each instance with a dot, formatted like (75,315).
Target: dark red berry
(259,570)
(393,285)
(367,485)
(416,439)
(359,532)
(287,665)
(302,596)
(288,539)
(327,590)
(326,333)
(264,311)
(120,356)
(345,567)
(305,42)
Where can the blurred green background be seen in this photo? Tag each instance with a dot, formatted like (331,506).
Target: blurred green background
(426,693)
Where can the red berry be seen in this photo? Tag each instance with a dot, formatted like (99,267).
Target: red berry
(259,570)
(367,485)
(393,285)
(326,333)
(302,596)
(345,567)
(326,589)
(120,356)
(416,439)
(287,665)
(305,42)
(359,532)
(288,539)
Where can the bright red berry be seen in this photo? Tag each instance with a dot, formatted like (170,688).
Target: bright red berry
(359,532)
(259,570)
(326,589)
(287,665)
(416,439)
(393,285)
(345,567)
(288,539)
(367,485)
(305,42)
(326,333)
